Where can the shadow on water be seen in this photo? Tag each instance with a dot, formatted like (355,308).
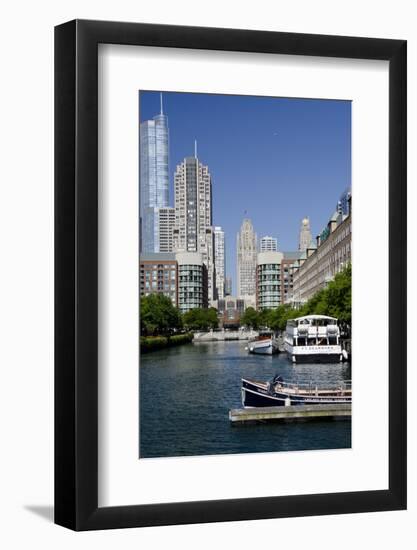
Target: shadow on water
(186,394)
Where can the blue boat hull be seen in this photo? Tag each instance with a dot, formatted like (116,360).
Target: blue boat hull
(254,395)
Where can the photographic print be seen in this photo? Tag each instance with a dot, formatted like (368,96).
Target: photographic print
(203,211)
(244,273)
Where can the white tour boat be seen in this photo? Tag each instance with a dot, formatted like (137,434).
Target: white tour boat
(313,338)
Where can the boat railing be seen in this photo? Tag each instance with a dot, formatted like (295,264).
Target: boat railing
(312,385)
(260,338)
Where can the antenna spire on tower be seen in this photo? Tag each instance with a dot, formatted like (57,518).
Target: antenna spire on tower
(162,107)
(195,148)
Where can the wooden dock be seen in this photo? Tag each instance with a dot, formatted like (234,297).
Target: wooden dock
(291,414)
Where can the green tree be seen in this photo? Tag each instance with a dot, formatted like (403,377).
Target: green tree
(279,316)
(264,318)
(250,318)
(158,315)
(201,319)
(339,296)
(192,319)
(212,318)
(335,300)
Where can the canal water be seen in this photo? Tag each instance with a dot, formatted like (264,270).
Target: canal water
(185,394)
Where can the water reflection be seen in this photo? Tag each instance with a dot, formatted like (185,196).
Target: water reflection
(186,393)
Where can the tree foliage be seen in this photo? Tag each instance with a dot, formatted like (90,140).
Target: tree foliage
(158,316)
(201,319)
(335,300)
(277,318)
(250,318)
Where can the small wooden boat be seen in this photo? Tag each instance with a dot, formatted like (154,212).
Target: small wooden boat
(276,392)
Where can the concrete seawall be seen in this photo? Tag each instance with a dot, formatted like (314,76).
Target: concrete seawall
(223,335)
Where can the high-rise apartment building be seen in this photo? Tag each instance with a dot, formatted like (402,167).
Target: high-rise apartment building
(192,281)
(219,261)
(182,277)
(268,244)
(158,274)
(246,262)
(274,278)
(305,235)
(268,280)
(166,224)
(154,178)
(193,230)
(287,263)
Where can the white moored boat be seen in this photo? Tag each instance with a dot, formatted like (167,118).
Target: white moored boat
(263,345)
(313,338)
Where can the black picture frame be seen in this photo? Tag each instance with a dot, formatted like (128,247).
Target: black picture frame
(76,272)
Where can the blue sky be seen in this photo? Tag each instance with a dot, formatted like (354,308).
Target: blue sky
(278,159)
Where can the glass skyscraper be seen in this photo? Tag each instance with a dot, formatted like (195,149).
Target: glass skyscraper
(154,178)
(343,203)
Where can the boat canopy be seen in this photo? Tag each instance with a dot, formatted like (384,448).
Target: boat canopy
(314,318)
(311,320)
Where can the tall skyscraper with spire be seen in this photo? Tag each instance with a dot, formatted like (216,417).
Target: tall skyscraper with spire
(154,177)
(305,235)
(193,231)
(246,262)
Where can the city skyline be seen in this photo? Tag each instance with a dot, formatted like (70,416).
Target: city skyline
(295,151)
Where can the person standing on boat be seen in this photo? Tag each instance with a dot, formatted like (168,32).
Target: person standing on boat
(271,384)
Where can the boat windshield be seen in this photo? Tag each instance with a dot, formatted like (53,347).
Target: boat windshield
(317,322)
(324,322)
